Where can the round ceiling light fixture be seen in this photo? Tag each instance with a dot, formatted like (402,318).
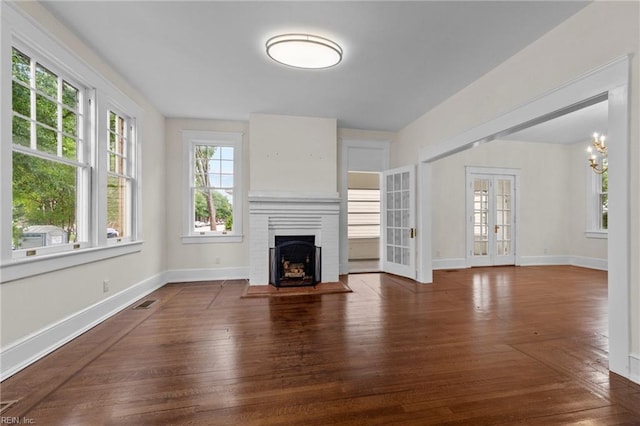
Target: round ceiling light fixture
(304,51)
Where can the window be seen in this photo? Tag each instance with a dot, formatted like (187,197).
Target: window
(603,200)
(50,168)
(599,203)
(363,205)
(69,157)
(213,202)
(363,213)
(120,178)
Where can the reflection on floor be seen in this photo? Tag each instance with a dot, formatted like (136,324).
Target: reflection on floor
(478,346)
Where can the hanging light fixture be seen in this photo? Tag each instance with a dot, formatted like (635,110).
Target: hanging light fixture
(598,143)
(304,51)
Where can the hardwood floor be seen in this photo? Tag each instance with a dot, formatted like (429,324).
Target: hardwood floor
(484,346)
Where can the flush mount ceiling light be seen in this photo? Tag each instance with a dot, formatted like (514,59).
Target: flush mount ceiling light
(304,51)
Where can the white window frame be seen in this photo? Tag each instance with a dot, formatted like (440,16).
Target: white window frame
(131,174)
(191,138)
(20,31)
(82,164)
(594,188)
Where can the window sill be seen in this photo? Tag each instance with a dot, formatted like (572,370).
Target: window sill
(28,267)
(208,239)
(602,235)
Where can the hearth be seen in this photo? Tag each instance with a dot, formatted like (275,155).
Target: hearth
(295,261)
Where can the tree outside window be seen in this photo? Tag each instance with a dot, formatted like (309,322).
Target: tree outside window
(213,175)
(603,199)
(47,163)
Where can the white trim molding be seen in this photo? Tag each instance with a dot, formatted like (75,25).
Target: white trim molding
(29,267)
(356,155)
(31,348)
(207,274)
(580,261)
(546,260)
(24,352)
(634,368)
(452,263)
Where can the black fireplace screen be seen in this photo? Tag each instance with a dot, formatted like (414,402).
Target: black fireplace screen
(294,261)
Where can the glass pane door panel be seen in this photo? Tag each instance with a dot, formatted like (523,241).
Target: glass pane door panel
(481,217)
(503,216)
(491,220)
(398,196)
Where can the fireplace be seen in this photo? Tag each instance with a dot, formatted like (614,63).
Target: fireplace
(274,214)
(295,261)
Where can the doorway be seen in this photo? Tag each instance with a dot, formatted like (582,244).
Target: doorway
(363,221)
(491,212)
(611,82)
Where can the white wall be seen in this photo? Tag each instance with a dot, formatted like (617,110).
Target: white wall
(34,304)
(580,174)
(570,50)
(293,154)
(553,200)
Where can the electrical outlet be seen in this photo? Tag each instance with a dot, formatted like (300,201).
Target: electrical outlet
(217,260)
(105,286)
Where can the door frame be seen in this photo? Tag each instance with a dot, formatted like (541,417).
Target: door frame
(357,155)
(493,171)
(610,81)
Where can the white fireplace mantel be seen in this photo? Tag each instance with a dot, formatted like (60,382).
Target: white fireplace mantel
(286,213)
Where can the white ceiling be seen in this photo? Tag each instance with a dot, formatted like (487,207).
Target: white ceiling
(206,59)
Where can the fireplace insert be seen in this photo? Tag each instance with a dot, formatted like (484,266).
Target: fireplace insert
(294,261)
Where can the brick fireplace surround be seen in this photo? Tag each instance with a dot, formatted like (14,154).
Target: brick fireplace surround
(282,213)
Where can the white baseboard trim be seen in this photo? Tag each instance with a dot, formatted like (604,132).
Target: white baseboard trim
(453,263)
(31,348)
(207,274)
(590,262)
(544,260)
(581,261)
(634,368)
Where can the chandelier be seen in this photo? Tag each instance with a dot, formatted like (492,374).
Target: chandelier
(600,153)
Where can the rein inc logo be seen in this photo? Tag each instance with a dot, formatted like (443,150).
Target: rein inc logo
(17,421)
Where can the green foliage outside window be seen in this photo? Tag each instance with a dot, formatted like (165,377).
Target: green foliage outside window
(45,120)
(222,209)
(604,200)
(211,205)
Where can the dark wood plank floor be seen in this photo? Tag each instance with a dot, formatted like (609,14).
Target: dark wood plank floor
(483,346)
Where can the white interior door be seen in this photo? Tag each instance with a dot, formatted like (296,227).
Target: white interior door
(491,211)
(398,222)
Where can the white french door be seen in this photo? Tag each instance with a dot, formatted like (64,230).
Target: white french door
(491,213)
(398,222)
